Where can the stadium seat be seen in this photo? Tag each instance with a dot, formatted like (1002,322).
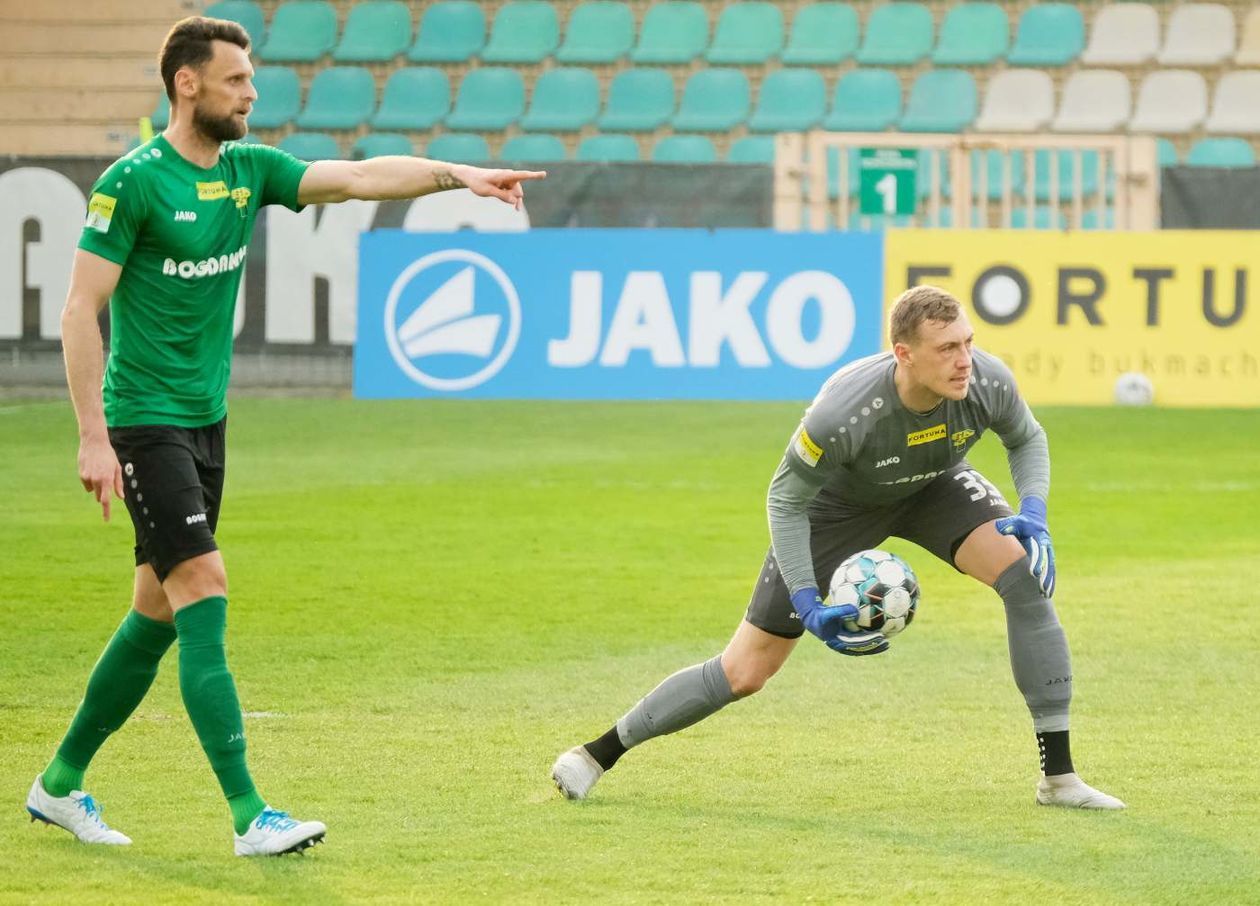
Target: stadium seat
(1170,101)
(1089,219)
(302,31)
(1236,105)
(746,34)
(250,139)
(533,149)
(714,100)
(1198,34)
(381,144)
(1123,34)
(1094,100)
(608,148)
(246,13)
(564,100)
(524,31)
(790,100)
(340,97)
(1017,100)
(1221,152)
(822,34)
(865,100)
(877,223)
(489,98)
(310,146)
(376,31)
(279,97)
(161,115)
(941,100)
(930,160)
(676,31)
(752,149)
(993,164)
(639,100)
(415,97)
(1044,218)
(1248,53)
(833,172)
(1042,163)
(898,34)
(450,32)
(684,149)
(456,147)
(599,31)
(1166,153)
(973,34)
(1050,34)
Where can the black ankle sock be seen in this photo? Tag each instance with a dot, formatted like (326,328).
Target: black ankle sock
(1056,753)
(607,749)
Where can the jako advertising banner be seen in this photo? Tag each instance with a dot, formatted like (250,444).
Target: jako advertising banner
(601,314)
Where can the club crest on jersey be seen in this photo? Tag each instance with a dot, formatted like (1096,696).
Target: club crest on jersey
(806,448)
(926,436)
(959,438)
(241,196)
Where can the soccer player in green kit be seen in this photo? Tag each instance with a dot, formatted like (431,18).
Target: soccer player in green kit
(164,243)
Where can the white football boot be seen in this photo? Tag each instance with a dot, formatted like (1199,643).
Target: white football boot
(76,812)
(1070,791)
(274,833)
(576,772)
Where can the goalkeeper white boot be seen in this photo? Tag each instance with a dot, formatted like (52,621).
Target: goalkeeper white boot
(274,833)
(76,812)
(576,772)
(1070,791)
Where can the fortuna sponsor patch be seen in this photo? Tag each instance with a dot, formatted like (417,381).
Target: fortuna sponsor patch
(958,438)
(212,191)
(926,436)
(806,449)
(100,212)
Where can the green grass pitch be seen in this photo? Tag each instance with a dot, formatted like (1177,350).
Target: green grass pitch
(430,600)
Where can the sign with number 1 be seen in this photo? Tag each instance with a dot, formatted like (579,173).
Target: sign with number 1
(886,180)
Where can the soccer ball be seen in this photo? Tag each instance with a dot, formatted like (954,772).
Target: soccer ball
(1133,388)
(881,586)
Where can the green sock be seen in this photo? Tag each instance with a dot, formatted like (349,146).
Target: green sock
(210,698)
(118,683)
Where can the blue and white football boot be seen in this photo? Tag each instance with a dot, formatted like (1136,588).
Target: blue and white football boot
(77,812)
(274,833)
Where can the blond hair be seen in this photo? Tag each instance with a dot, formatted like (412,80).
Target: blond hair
(919,304)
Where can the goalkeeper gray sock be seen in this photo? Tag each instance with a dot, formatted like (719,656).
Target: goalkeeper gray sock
(679,701)
(1038,646)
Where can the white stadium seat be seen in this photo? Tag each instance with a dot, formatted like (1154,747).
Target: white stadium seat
(1124,34)
(1199,34)
(1094,100)
(1017,100)
(1236,107)
(1170,101)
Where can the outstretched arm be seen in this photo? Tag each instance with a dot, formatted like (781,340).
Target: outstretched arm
(384,178)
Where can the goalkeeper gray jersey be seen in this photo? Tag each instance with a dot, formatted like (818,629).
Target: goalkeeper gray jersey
(859,446)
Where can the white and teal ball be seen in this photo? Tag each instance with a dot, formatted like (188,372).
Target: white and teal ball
(881,586)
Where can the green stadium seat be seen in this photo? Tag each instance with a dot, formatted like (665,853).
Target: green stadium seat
(608,148)
(676,31)
(1089,219)
(415,97)
(973,34)
(1067,174)
(714,100)
(1166,153)
(747,34)
(279,97)
(833,172)
(161,115)
(525,31)
(381,144)
(639,100)
(941,100)
(930,160)
(457,147)
(684,149)
(752,149)
(565,100)
(250,139)
(246,13)
(865,100)
(898,34)
(310,146)
(991,162)
(376,32)
(790,100)
(1050,34)
(489,98)
(340,97)
(302,31)
(822,34)
(528,149)
(1044,218)
(450,32)
(877,223)
(600,31)
(1221,152)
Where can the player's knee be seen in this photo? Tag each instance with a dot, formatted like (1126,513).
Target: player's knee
(747,677)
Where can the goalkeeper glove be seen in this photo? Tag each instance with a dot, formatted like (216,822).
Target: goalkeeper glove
(1030,529)
(836,625)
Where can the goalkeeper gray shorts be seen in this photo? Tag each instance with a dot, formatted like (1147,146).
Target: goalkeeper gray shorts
(938,518)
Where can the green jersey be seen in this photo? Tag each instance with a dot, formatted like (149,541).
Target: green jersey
(180,232)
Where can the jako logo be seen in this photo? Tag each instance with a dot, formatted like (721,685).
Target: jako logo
(436,333)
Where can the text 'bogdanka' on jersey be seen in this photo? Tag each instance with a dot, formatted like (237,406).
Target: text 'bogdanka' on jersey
(180,233)
(865,448)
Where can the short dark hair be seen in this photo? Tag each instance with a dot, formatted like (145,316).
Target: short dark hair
(189,43)
(919,304)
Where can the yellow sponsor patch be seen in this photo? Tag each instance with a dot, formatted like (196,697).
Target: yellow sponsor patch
(212,191)
(100,212)
(806,449)
(958,438)
(926,436)
(241,197)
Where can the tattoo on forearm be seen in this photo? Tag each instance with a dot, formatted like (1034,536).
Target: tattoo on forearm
(444,179)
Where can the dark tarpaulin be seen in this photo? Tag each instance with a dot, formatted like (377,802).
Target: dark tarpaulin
(1210,198)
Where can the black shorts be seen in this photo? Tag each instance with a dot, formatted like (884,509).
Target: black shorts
(938,518)
(173,486)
